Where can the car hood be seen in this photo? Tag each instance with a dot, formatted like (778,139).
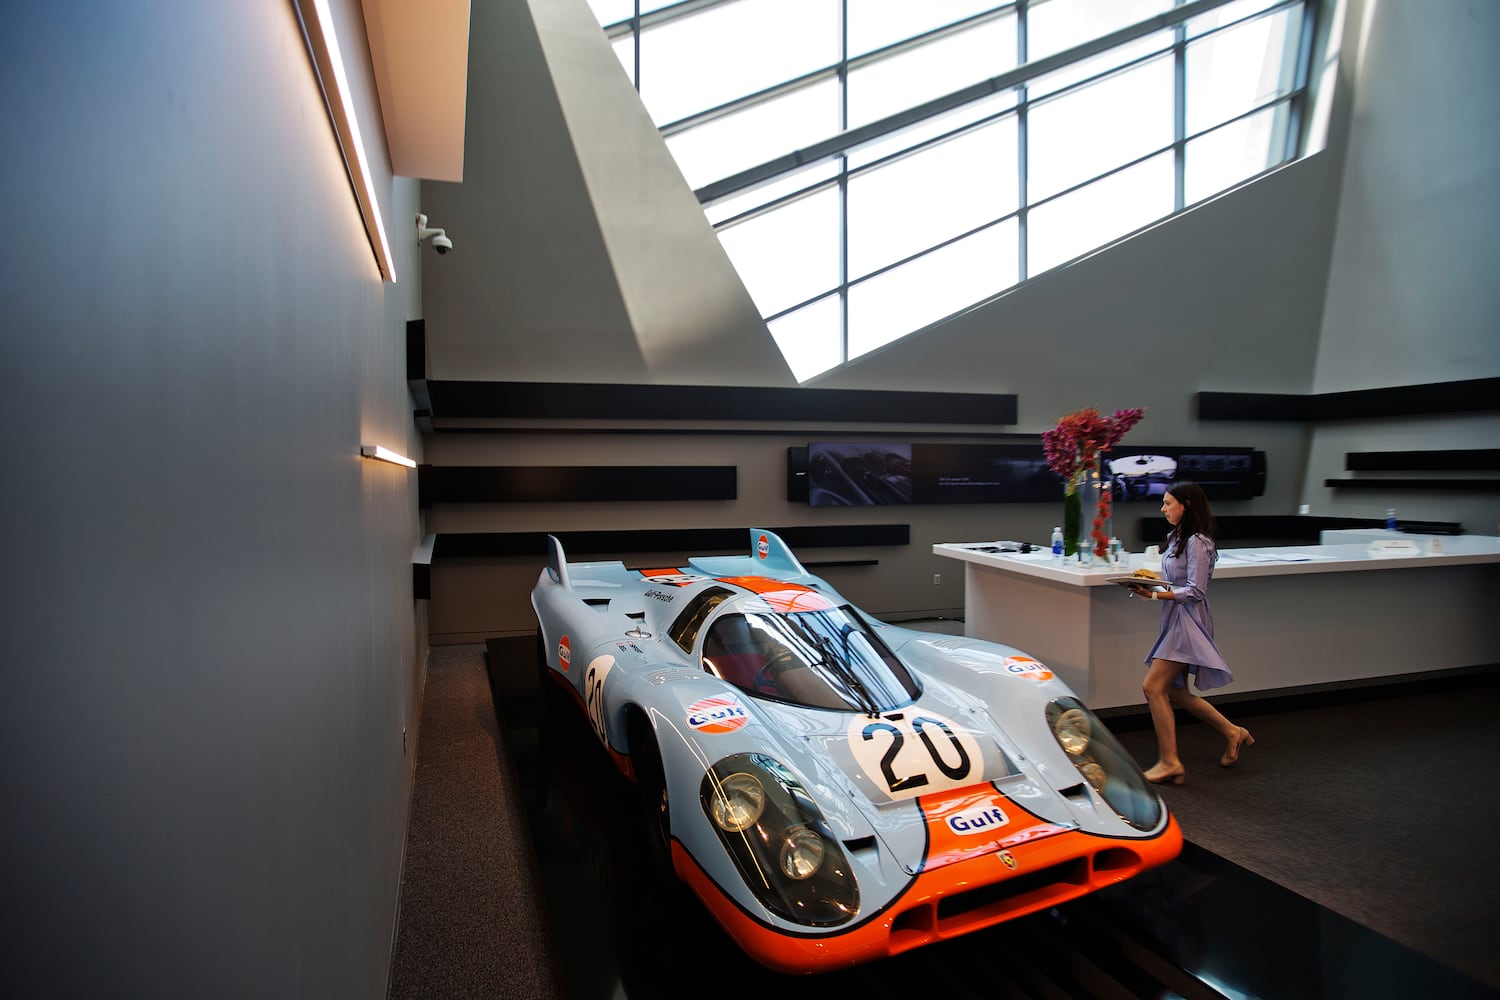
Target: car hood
(942,759)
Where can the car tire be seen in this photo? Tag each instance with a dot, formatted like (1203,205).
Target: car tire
(655,804)
(554,699)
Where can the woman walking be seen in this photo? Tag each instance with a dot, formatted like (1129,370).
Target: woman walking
(1185,646)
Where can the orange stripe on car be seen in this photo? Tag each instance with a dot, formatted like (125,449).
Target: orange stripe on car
(977,822)
(787,598)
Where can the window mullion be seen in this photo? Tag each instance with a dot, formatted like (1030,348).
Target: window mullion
(1023,107)
(1179,117)
(843,175)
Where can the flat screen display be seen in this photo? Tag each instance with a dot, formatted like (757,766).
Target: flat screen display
(863,474)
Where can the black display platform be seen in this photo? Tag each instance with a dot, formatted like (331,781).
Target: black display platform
(1200,927)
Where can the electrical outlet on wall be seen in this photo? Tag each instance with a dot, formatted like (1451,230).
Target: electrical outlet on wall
(937,578)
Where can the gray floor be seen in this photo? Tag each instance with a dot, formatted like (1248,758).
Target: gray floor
(471,921)
(1384,811)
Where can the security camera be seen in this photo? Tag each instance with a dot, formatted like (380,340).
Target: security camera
(440,241)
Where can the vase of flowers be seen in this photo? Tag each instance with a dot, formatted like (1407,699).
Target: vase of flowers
(1103,526)
(1075,451)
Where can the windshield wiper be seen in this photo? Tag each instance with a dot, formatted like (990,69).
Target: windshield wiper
(836,669)
(850,676)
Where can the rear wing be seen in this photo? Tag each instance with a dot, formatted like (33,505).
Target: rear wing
(769,556)
(557,563)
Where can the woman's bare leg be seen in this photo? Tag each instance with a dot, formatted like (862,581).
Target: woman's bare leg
(1157,688)
(1204,711)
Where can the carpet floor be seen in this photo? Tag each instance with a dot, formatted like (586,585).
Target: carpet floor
(471,922)
(1381,809)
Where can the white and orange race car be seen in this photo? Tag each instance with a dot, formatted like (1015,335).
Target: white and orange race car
(836,789)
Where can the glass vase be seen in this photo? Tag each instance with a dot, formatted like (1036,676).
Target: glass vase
(1072,514)
(1091,487)
(1104,521)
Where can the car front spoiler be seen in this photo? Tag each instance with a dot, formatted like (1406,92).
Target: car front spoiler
(942,903)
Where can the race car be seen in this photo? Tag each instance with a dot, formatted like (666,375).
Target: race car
(834,788)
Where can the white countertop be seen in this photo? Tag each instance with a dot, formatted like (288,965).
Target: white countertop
(1455,550)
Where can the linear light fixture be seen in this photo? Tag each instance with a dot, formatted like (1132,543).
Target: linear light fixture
(328,60)
(386,455)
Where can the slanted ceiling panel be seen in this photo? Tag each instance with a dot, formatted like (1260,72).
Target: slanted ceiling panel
(419,50)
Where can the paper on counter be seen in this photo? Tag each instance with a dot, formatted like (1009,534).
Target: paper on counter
(1269,557)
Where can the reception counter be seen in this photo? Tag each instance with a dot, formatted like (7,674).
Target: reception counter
(1350,609)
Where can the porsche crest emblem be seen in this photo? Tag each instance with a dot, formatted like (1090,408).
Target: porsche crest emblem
(1008,860)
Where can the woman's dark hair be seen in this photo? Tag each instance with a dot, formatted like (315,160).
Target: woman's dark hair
(1197,516)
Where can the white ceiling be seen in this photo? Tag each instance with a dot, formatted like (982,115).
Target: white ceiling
(420,53)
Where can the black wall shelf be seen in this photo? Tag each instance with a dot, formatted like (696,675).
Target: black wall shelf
(483,544)
(1443,485)
(1467,396)
(438,484)
(444,399)
(755,404)
(1453,460)
(1449,460)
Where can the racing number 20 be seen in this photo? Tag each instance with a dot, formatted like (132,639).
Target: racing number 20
(919,727)
(593,693)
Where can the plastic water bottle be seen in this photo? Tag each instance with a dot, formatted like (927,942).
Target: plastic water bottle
(1390,520)
(1057,544)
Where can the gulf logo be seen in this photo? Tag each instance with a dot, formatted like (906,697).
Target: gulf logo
(763,546)
(564,653)
(717,715)
(1025,666)
(983,819)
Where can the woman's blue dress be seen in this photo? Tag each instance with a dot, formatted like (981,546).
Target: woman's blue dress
(1187,623)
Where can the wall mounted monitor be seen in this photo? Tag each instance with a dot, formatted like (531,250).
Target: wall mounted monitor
(865,474)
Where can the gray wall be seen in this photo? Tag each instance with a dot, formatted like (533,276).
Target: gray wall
(1412,295)
(1230,296)
(213,643)
(584,255)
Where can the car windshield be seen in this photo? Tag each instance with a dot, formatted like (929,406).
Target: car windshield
(827,658)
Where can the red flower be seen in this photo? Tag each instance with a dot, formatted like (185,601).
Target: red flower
(1082,436)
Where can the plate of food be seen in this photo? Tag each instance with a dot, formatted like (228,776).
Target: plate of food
(1143,581)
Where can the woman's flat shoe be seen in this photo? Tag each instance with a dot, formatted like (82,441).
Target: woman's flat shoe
(1241,738)
(1164,777)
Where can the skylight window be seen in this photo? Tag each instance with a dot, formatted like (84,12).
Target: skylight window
(874,167)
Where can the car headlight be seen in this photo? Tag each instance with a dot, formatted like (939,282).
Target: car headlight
(1096,776)
(1073,731)
(737,802)
(1103,763)
(801,853)
(779,840)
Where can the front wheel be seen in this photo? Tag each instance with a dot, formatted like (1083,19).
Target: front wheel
(655,804)
(555,703)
